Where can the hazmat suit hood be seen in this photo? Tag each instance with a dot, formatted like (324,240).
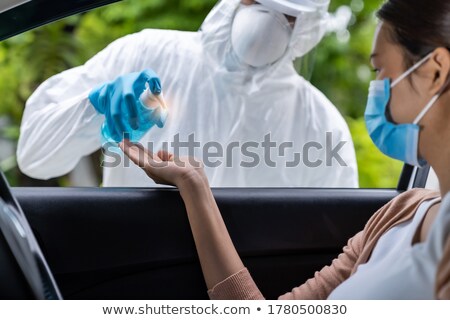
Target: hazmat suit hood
(309,29)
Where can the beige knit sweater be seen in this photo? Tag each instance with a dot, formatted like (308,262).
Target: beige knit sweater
(241,285)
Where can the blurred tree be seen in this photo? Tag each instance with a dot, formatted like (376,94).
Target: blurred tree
(341,70)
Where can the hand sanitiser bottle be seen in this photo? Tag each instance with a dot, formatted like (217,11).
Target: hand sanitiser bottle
(151,109)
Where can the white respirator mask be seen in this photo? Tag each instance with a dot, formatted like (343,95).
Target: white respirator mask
(260,36)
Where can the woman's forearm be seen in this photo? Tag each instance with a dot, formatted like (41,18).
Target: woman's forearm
(218,256)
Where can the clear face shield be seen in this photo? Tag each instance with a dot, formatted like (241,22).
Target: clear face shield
(308,29)
(312,22)
(310,25)
(305,65)
(335,23)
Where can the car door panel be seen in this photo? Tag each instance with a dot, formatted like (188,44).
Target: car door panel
(137,243)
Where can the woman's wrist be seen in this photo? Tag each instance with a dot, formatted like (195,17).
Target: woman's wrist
(192,180)
(195,191)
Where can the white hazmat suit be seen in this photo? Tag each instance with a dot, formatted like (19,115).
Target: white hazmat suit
(215,98)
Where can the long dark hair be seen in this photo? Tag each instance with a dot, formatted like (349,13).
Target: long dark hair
(420,26)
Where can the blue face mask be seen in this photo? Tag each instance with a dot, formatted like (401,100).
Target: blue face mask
(398,141)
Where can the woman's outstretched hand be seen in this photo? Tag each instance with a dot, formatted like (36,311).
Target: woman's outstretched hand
(164,167)
(218,257)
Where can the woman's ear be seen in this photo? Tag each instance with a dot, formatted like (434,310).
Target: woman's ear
(440,66)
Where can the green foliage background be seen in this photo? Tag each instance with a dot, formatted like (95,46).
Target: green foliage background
(341,70)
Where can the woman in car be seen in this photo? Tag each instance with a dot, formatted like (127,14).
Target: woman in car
(404,250)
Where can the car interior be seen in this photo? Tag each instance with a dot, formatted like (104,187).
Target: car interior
(122,243)
(116,243)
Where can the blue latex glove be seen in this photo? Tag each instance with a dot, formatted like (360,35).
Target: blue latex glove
(119,102)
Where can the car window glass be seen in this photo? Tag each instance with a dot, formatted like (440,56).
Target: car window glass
(246,137)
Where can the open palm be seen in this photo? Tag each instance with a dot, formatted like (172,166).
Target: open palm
(163,167)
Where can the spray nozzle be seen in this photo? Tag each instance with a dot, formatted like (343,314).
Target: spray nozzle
(152,100)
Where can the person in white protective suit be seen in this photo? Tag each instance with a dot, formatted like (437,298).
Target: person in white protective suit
(232,91)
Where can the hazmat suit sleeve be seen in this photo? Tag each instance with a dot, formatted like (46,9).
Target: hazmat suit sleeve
(59,125)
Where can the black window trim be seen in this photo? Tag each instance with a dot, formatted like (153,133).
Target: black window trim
(37,13)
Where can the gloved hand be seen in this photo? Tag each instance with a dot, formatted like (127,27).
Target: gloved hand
(119,101)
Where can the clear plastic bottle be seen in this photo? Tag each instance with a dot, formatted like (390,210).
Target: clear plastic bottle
(151,110)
